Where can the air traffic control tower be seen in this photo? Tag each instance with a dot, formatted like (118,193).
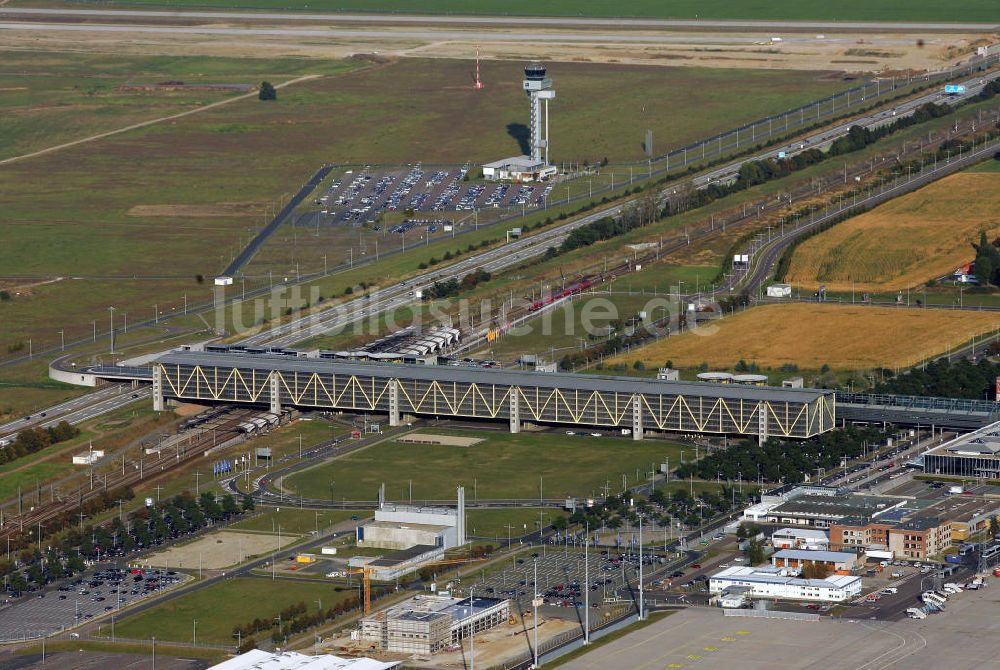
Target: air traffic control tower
(539,88)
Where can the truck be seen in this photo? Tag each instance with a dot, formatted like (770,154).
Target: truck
(953,558)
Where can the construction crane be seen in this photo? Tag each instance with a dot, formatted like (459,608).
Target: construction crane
(366,576)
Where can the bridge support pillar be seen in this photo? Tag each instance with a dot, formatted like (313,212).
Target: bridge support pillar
(394,402)
(637,432)
(275,395)
(762,410)
(158,404)
(515,407)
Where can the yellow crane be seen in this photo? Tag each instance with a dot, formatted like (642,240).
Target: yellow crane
(366,576)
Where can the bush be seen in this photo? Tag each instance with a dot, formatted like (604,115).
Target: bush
(267,91)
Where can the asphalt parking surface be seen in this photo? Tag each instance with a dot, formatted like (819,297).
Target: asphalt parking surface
(359,196)
(39,613)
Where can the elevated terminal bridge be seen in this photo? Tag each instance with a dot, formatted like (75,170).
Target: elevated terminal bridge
(512,396)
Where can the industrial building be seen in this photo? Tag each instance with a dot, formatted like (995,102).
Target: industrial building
(397,564)
(511,396)
(771,582)
(841,562)
(818,507)
(976,454)
(536,166)
(414,535)
(799,538)
(406,526)
(257,659)
(918,529)
(426,624)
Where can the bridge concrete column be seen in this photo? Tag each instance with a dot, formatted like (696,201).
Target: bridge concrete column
(275,395)
(761,423)
(637,432)
(394,402)
(158,404)
(515,410)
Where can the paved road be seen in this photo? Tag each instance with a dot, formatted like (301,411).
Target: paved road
(80,409)
(495,260)
(422,35)
(515,252)
(548,21)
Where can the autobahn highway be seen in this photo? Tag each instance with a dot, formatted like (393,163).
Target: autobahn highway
(518,251)
(78,410)
(495,260)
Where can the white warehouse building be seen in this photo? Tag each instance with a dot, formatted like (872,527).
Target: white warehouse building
(767,582)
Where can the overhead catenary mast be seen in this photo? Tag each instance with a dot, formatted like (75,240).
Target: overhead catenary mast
(479,82)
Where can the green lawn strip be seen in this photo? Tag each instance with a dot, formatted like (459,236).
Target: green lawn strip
(225,604)
(296,521)
(492,523)
(503,466)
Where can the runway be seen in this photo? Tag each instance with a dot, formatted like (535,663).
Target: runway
(436,35)
(553,21)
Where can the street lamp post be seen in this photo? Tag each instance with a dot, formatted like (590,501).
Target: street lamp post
(111,311)
(534,621)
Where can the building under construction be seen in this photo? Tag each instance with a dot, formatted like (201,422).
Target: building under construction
(427,624)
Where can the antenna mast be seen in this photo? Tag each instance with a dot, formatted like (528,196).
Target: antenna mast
(479,82)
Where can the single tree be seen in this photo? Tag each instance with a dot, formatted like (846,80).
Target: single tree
(267,91)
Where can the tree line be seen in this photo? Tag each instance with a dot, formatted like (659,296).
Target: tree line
(33,440)
(957,379)
(785,461)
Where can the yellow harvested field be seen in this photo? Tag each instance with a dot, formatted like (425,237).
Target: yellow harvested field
(904,243)
(845,337)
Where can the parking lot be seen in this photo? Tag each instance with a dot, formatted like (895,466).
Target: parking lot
(72,602)
(562,576)
(357,197)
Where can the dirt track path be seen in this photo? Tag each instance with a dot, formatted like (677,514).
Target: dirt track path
(150,122)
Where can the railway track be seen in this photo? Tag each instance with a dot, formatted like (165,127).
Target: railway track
(25,523)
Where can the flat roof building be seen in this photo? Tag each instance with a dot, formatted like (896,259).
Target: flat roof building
(976,454)
(770,582)
(820,511)
(799,538)
(838,561)
(258,659)
(513,396)
(427,624)
(518,168)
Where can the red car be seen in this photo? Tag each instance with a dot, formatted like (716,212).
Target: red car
(696,566)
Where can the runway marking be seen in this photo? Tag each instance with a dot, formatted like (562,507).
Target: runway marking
(728,638)
(693,657)
(675,665)
(710,648)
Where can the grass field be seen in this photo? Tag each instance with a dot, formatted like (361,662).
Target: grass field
(841,336)
(492,523)
(221,606)
(49,98)
(902,244)
(847,10)
(297,521)
(215,172)
(504,466)
(989,166)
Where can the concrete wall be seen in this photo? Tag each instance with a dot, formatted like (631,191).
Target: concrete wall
(397,538)
(69,377)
